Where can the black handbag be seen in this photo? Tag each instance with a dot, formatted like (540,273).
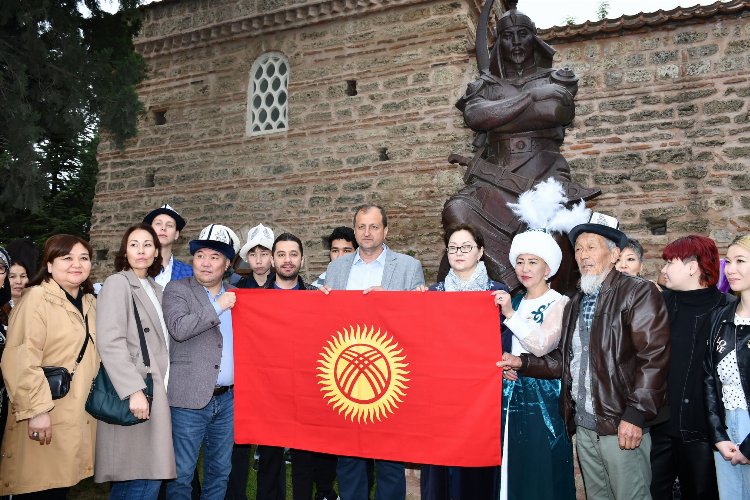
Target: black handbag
(103,402)
(58,377)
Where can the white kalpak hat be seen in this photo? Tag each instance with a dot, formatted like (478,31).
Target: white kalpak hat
(217,237)
(542,209)
(259,235)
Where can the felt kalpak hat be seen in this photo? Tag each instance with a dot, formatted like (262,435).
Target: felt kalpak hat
(603,225)
(543,210)
(259,235)
(219,238)
(166,210)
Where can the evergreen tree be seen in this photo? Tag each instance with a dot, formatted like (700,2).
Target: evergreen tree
(63,75)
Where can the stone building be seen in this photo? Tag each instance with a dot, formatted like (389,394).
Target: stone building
(292,112)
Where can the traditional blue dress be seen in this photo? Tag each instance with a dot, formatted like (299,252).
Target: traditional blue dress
(538,455)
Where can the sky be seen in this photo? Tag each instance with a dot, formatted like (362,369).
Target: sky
(547,13)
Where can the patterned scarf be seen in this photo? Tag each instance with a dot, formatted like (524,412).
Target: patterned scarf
(478,281)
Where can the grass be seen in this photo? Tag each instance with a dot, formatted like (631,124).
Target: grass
(89,490)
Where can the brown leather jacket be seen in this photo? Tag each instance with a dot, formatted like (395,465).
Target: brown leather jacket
(629,355)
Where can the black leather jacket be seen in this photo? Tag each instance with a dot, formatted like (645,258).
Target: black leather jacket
(687,412)
(629,355)
(724,333)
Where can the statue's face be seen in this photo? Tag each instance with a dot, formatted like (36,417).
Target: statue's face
(517,45)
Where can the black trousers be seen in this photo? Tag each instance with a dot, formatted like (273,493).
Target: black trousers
(310,467)
(237,485)
(692,463)
(271,473)
(53,494)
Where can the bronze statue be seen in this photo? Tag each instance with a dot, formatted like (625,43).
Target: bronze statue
(519,108)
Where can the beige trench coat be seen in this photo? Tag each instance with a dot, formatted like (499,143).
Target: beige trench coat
(141,451)
(45,329)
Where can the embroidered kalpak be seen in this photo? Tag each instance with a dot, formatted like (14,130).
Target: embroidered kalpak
(404,376)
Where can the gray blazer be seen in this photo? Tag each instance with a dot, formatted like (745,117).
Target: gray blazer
(142,451)
(401,272)
(195,346)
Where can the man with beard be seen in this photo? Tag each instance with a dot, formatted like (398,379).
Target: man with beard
(613,358)
(519,107)
(288,258)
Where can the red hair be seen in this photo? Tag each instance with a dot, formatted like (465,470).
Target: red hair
(699,248)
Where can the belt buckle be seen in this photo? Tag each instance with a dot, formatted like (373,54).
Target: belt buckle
(520,145)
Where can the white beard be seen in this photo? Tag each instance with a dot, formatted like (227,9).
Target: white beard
(590,283)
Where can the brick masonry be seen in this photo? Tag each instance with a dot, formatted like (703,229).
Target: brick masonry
(662,127)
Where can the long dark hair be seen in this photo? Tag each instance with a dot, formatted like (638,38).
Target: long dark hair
(121,257)
(56,246)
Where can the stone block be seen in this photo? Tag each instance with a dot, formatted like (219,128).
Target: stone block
(690,37)
(651,114)
(664,56)
(742,152)
(738,46)
(689,95)
(609,178)
(691,172)
(669,71)
(740,182)
(669,155)
(703,51)
(731,64)
(646,175)
(693,226)
(621,161)
(638,76)
(618,104)
(659,186)
(696,69)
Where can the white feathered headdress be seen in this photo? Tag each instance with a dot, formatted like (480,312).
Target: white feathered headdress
(542,209)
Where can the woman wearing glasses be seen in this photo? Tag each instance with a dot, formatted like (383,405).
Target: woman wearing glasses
(465,249)
(537,454)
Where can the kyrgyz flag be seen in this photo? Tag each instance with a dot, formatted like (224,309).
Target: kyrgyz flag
(405,376)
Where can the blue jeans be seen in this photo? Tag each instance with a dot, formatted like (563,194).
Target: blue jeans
(212,427)
(734,480)
(136,489)
(390,481)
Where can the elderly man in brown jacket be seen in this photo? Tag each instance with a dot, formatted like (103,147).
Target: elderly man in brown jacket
(613,359)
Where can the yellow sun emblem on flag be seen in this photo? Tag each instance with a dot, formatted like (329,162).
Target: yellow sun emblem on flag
(363,373)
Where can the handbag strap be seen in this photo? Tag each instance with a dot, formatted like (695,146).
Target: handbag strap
(141,337)
(85,344)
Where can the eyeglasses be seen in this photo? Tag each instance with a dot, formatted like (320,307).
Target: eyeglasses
(463,249)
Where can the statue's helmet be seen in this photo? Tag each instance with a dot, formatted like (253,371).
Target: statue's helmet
(543,52)
(514,18)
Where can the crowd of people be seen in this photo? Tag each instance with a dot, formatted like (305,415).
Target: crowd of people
(653,380)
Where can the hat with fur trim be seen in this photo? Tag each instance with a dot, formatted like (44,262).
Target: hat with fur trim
(540,243)
(542,209)
(166,210)
(219,238)
(259,235)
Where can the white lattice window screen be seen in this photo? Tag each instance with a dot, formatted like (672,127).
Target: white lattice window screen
(268,99)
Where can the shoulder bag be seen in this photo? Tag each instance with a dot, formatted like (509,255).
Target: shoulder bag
(103,402)
(58,377)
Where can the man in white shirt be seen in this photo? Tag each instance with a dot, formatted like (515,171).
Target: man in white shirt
(168,223)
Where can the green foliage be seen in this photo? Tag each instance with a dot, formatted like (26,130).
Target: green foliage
(66,206)
(603,10)
(63,76)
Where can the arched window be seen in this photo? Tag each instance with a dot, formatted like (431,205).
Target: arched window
(267,95)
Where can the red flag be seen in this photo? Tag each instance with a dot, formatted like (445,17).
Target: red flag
(406,376)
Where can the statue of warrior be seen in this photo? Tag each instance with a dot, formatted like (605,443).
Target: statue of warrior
(519,108)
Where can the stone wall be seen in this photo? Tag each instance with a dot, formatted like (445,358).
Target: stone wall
(388,144)
(663,126)
(662,121)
